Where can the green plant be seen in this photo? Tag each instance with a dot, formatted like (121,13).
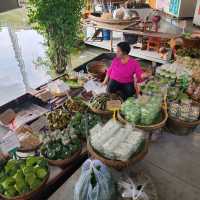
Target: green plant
(59,22)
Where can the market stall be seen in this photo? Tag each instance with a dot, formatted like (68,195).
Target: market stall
(78,116)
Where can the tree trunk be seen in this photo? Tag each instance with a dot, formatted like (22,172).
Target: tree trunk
(61,63)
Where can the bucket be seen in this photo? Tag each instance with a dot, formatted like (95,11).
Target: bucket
(130,38)
(105,34)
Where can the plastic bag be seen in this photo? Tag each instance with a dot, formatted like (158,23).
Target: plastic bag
(130,190)
(95,182)
(58,88)
(131,110)
(151,110)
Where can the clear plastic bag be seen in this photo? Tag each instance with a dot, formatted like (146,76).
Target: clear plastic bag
(95,182)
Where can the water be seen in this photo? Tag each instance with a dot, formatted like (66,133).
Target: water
(20,47)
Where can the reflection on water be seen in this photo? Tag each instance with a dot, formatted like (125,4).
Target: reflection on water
(19,48)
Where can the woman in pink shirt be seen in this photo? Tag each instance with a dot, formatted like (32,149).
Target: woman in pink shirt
(123,73)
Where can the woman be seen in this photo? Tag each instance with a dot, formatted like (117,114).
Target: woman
(123,73)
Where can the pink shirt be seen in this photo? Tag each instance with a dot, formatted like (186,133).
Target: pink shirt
(124,73)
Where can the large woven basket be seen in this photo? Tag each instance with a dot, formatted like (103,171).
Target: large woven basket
(28,195)
(67,161)
(97,69)
(184,124)
(112,21)
(25,129)
(152,127)
(101,112)
(117,164)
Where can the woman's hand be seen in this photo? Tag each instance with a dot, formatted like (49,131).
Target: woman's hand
(105,81)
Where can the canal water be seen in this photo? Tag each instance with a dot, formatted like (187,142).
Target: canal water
(20,49)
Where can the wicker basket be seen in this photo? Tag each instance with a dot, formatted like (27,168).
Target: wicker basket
(117,164)
(112,21)
(28,195)
(25,129)
(184,124)
(67,161)
(30,149)
(150,127)
(101,112)
(97,69)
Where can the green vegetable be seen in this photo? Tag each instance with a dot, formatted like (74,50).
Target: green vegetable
(21,186)
(27,169)
(78,122)
(8,182)
(99,102)
(21,176)
(12,166)
(41,172)
(10,192)
(1,189)
(60,145)
(30,177)
(35,183)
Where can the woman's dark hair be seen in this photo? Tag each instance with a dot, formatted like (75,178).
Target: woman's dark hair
(125,47)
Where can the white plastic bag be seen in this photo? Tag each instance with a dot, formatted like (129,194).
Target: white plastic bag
(130,190)
(95,182)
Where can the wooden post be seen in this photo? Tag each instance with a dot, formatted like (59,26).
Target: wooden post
(111,41)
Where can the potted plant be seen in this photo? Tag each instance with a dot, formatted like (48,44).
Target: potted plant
(59,22)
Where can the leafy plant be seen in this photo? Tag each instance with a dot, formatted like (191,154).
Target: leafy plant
(59,22)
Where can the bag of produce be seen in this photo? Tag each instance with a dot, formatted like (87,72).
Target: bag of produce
(194,113)
(95,182)
(151,110)
(58,88)
(131,110)
(174,109)
(189,112)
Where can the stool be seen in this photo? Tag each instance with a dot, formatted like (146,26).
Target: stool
(154,43)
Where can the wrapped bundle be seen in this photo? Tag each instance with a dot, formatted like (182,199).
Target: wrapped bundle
(106,132)
(114,142)
(129,146)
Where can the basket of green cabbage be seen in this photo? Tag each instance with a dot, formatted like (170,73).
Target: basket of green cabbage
(145,113)
(22,179)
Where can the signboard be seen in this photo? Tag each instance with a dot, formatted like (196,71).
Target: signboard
(113,105)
